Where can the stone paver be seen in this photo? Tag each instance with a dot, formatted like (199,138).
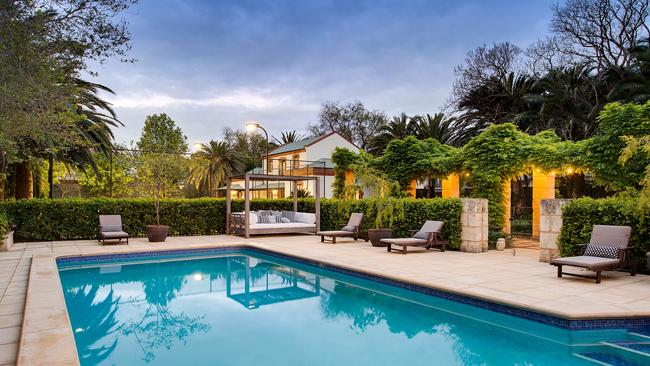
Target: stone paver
(519,280)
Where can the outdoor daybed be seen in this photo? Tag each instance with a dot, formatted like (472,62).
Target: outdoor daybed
(273,222)
(607,251)
(351,230)
(427,237)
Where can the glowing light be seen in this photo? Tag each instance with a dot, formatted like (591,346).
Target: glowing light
(467,174)
(252,126)
(553,173)
(569,170)
(197,277)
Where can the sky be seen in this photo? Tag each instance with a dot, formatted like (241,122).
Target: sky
(216,64)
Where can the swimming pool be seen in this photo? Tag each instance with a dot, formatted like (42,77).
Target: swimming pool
(243,307)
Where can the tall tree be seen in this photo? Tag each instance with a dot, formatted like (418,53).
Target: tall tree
(252,146)
(352,120)
(635,85)
(288,137)
(442,128)
(600,33)
(398,127)
(212,164)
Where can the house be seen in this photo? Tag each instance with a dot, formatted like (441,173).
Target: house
(307,157)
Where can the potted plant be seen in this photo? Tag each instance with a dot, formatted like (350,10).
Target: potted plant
(161,164)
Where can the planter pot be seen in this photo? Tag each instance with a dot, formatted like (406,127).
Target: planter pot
(501,244)
(7,241)
(375,235)
(157,233)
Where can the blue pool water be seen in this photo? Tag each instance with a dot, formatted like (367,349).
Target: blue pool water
(245,309)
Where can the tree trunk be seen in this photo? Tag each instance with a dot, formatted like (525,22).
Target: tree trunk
(24,181)
(50,176)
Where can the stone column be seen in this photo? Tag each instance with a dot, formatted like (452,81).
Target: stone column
(507,196)
(550,224)
(474,225)
(543,188)
(451,186)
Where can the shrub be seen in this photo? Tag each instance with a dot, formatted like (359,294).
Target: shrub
(4,224)
(44,219)
(579,216)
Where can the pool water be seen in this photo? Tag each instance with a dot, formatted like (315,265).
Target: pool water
(241,309)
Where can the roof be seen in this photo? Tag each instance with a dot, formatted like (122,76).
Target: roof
(299,145)
(293,146)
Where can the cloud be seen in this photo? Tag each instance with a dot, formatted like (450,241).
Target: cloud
(241,98)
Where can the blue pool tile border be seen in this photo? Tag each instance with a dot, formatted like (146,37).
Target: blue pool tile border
(569,324)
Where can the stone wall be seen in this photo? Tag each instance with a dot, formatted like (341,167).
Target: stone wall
(550,224)
(474,223)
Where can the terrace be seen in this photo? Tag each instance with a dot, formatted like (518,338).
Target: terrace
(33,315)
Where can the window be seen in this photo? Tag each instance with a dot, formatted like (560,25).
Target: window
(296,161)
(283,165)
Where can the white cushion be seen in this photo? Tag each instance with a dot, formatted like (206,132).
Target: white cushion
(305,217)
(252,216)
(282,225)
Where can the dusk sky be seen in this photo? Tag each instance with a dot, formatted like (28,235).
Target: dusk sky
(212,64)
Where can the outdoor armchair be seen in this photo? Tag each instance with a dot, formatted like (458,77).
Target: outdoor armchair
(110,228)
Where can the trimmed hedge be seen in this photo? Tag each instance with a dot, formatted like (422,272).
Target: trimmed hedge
(4,224)
(580,215)
(44,219)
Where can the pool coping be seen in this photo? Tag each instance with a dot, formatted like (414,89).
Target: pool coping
(47,339)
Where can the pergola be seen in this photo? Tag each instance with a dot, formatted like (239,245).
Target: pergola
(247,178)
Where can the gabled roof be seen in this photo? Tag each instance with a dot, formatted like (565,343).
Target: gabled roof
(299,145)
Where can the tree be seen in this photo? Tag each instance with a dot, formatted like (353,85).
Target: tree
(212,164)
(351,120)
(162,163)
(442,128)
(288,137)
(397,128)
(600,32)
(252,146)
(482,65)
(635,85)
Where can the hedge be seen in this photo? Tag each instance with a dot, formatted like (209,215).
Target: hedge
(69,219)
(4,224)
(580,215)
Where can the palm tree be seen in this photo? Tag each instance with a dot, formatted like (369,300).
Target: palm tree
(439,127)
(635,86)
(397,128)
(212,164)
(92,134)
(288,137)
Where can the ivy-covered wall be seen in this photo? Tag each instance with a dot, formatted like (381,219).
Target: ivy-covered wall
(44,219)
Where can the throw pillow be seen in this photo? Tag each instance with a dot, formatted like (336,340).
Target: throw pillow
(285,220)
(348,228)
(421,235)
(601,251)
(289,215)
(264,219)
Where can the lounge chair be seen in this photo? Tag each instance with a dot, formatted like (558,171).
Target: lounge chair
(351,230)
(607,251)
(427,237)
(110,228)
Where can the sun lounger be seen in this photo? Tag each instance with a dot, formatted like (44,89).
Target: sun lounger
(427,237)
(351,230)
(110,228)
(607,251)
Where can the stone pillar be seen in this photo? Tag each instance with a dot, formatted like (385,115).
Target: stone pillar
(550,224)
(451,186)
(474,225)
(411,190)
(507,196)
(543,188)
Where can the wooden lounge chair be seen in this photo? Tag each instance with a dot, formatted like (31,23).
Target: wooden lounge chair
(351,230)
(110,228)
(426,237)
(607,251)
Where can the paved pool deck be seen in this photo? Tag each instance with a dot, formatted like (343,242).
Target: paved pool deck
(35,330)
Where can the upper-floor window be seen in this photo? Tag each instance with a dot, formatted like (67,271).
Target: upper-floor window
(283,165)
(296,161)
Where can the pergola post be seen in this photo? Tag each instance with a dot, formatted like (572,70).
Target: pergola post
(228,205)
(295,195)
(317,208)
(247,205)
(451,186)
(543,188)
(412,189)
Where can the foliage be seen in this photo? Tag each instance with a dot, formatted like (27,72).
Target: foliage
(161,162)
(635,84)
(252,146)
(640,145)
(602,152)
(4,224)
(288,137)
(351,120)
(124,179)
(44,219)
(343,160)
(579,216)
(212,164)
